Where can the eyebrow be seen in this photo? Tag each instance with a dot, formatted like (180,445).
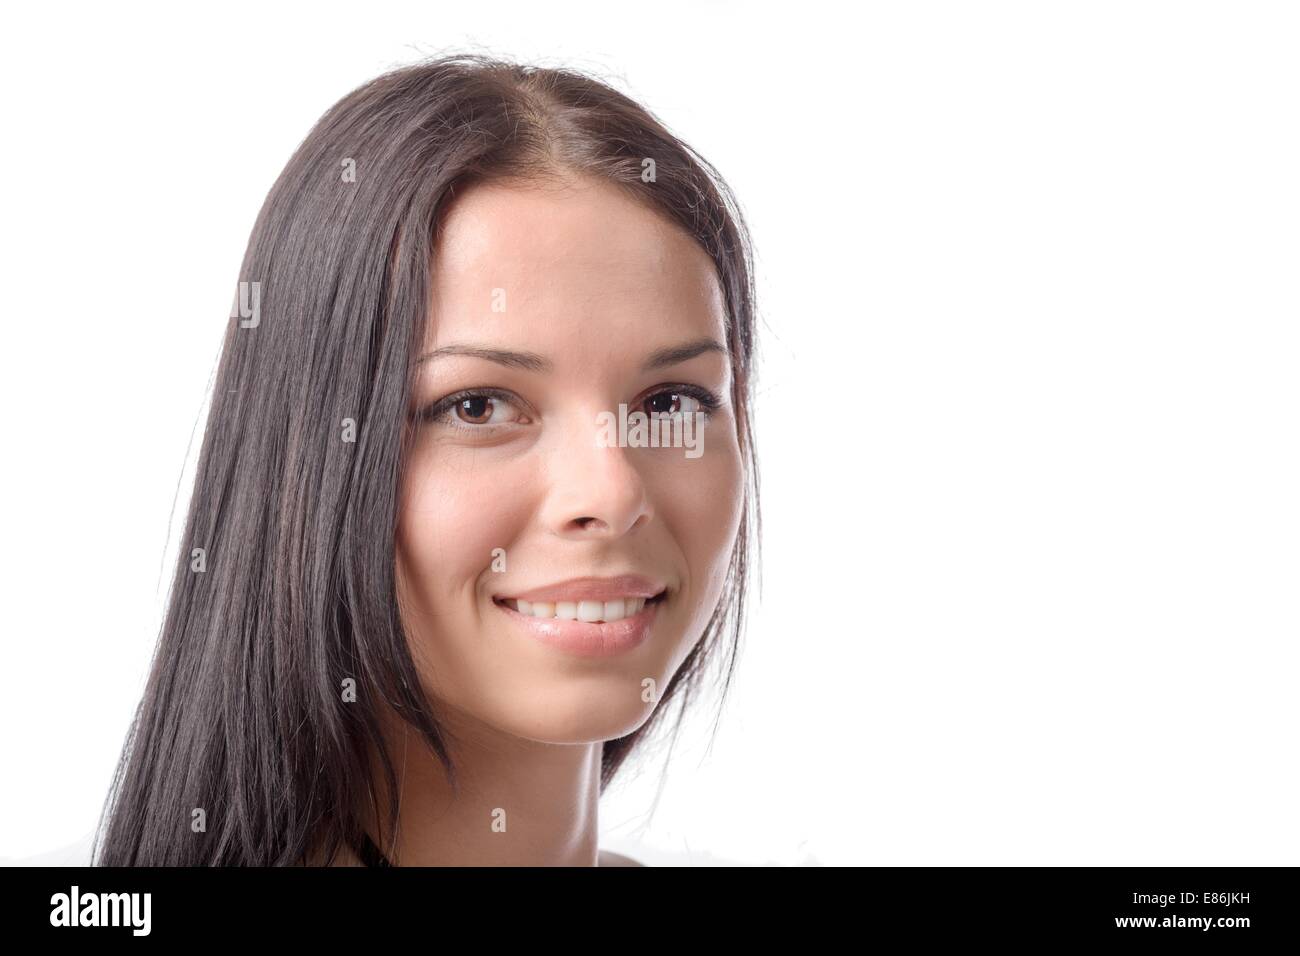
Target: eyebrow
(681,353)
(530,361)
(533,362)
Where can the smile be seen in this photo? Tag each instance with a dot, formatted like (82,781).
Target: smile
(590,611)
(588,617)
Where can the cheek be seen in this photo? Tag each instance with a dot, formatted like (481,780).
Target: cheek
(699,501)
(456,509)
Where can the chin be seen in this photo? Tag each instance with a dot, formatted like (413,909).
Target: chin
(581,711)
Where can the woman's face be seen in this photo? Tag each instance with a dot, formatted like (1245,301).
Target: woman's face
(555,569)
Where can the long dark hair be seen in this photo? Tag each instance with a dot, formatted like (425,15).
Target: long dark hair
(284,587)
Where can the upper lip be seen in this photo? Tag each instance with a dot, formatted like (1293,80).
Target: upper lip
(591,589)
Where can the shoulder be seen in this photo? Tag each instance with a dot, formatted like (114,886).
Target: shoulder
(343,856)
(72,854)
(610,858)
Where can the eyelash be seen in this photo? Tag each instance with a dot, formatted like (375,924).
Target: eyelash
(438,412)
(440,409)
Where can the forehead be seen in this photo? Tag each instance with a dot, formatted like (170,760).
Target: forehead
(531,261)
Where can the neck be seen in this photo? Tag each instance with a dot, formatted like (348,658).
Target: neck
(521,802)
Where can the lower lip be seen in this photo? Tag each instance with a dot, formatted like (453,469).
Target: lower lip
(585,639)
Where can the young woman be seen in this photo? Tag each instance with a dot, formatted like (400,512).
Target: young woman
(477,493)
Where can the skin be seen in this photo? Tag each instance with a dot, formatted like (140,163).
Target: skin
(595,282)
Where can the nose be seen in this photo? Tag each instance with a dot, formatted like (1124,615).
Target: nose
(594,492)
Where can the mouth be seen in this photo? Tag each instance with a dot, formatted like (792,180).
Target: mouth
(588,617)
(587,611)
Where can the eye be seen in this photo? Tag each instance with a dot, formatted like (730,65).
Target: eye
(480,410)
(476,408)
(671,403)
(680,400)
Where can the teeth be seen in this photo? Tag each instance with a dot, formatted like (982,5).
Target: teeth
(590,611)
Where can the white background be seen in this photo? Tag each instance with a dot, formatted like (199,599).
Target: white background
(1028,417)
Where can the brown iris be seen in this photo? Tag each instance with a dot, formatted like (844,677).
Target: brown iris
(476,410)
